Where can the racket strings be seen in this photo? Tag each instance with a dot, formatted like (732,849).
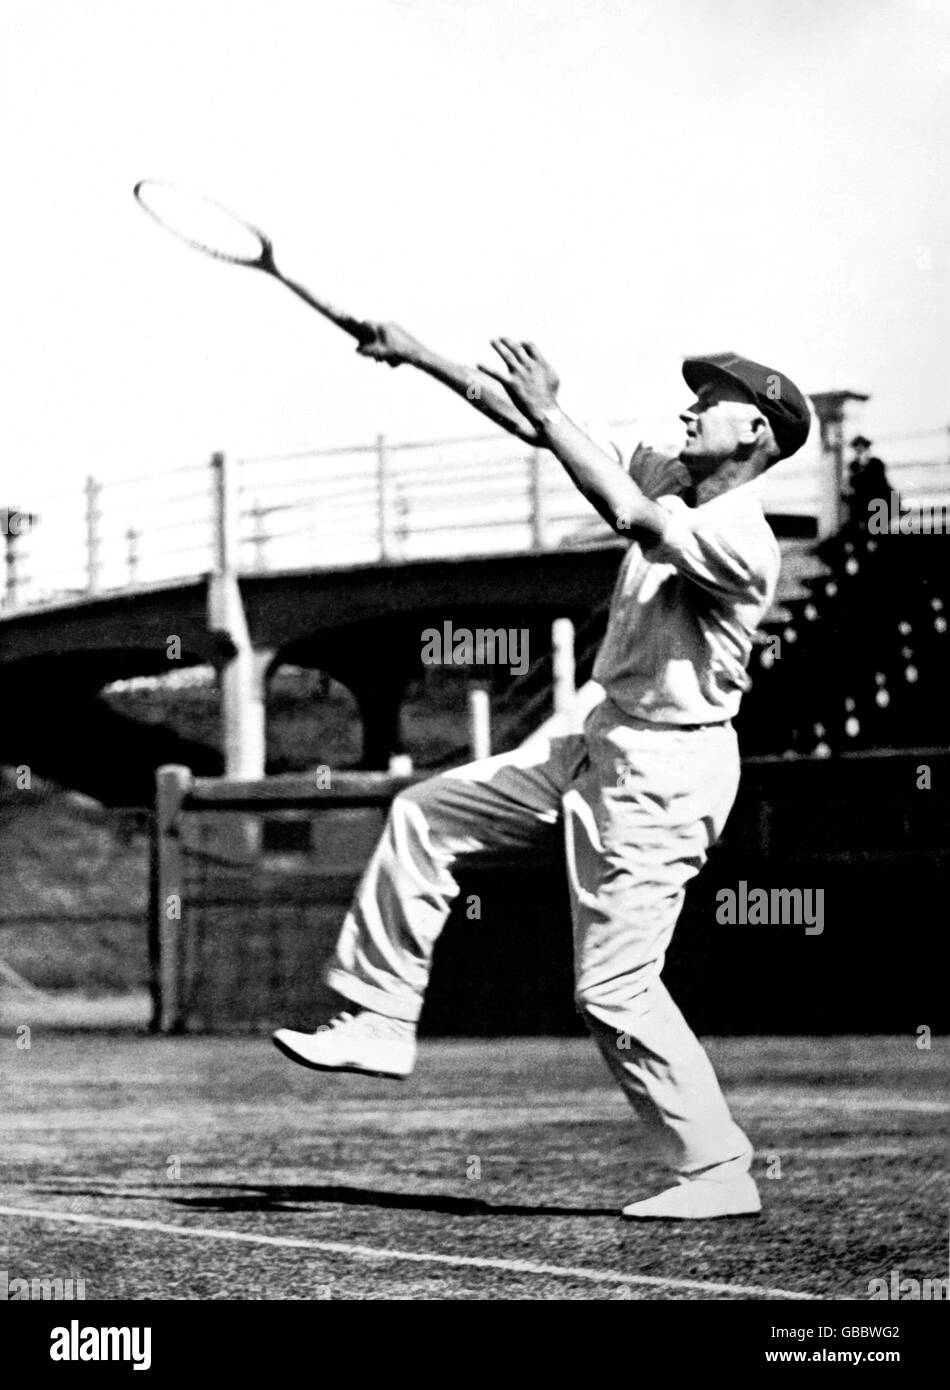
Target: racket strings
(202,223)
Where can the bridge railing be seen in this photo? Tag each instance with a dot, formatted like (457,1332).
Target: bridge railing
(321,509)
(386,504)
(103,537)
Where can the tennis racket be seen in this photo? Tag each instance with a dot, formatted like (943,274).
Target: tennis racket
(208,227)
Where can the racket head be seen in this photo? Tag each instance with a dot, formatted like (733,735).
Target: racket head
(204,224)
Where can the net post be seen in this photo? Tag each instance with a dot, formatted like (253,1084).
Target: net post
(166,906)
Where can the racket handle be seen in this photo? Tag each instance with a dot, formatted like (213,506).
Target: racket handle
(357,328)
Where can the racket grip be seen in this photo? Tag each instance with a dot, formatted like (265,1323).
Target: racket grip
(362,331)
(357,328)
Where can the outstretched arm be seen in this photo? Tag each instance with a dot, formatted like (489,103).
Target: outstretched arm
(532,384)
(393,345)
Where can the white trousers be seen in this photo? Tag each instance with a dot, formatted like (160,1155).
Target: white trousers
(639,804)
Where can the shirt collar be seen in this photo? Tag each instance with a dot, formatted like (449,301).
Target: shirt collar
(743,495)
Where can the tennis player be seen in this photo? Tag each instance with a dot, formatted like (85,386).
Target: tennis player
(641,794)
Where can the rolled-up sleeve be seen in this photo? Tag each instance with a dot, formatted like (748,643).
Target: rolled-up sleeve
(724,555)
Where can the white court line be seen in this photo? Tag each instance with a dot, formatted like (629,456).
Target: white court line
(369,1252)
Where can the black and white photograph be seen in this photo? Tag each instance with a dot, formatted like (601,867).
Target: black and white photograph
(475,766)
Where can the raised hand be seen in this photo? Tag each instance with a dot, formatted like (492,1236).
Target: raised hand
(531,381)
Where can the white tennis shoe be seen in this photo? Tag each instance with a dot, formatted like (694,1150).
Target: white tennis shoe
(363,1041)
(699,1199)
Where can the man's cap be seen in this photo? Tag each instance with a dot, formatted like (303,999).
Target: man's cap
(778,398)
(859,442)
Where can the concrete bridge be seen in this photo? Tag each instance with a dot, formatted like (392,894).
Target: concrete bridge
(361,625)
(336,561)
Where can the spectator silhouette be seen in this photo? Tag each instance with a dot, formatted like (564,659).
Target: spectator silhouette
(868,483)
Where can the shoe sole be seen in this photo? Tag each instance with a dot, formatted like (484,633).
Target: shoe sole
(317,1066)
(683,1220)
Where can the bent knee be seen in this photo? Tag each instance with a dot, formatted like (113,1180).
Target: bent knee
(630,995)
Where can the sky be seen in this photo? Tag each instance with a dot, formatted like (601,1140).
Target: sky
(624,181)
